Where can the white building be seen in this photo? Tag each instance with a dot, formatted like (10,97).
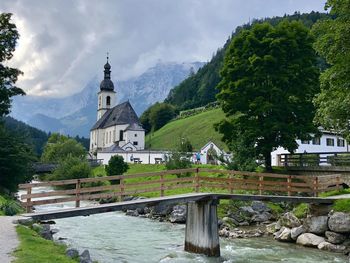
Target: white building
(116,126)
(328,142)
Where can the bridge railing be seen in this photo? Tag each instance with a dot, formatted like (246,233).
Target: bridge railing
(172,181)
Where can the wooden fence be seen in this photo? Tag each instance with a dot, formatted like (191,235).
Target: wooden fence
(189,180)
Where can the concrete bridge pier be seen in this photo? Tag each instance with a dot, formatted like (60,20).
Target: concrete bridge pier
(202,233)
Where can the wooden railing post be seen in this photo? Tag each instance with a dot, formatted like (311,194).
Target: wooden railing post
(289,182)
(77,193)
(261,187)
(338,183)
(121,183)
(196,180)
(162,185)
(29,200)
(315,183)
(230,185)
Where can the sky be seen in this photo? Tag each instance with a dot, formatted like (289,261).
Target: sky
(63,43)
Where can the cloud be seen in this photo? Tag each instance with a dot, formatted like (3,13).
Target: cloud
(63,44)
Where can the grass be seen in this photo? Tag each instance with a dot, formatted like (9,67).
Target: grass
(35,249)
(198,129)
(3,200)
(301,210)
(342,205)
(335,192)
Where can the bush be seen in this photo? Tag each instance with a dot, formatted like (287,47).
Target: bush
(116,166)
(11,208)
(301,210)
(178,161)
(71,168)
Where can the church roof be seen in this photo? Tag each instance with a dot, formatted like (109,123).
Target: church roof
(113,148)
(120,114)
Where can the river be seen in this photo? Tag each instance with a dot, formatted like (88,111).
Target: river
(115,237)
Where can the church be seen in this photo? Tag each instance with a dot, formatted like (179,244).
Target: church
(118,127)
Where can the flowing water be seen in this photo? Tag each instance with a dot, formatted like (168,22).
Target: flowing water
(115,237)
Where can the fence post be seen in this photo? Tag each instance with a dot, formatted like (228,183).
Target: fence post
(77,193)
(162,185)
(301,160)
(261,178)
(231,183)
(121,183)
(315,186)
(338,183)
(29,200)
(197,180)
(289,181)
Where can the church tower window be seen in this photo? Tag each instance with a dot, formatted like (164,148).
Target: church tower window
(108,101)
(121,135)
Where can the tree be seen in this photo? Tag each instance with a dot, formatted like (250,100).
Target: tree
(59,147)
(8,75)
(71,168)
(156,116)
(333,44)
(268,81)
(16,159)
(185,145)
(116,166)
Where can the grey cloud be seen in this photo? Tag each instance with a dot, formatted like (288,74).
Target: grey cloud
(64,43)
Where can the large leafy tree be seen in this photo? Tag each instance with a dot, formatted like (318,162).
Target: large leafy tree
(269,78)
(333,44)
(8,76)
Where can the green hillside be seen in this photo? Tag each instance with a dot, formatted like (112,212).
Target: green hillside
(198,129)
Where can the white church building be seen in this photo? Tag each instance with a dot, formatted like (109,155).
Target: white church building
(117,128)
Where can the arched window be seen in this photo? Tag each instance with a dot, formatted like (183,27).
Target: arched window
(108,101)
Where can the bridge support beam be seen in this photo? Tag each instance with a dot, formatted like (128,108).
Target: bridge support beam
(202,228)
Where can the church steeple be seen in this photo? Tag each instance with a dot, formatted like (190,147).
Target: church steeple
(106,83)
(106,96)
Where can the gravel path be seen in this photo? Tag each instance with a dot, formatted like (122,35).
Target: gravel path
(8,238)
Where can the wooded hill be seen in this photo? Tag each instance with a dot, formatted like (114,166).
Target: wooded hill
(200,89)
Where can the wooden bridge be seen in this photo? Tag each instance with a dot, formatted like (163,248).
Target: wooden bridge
(200,188)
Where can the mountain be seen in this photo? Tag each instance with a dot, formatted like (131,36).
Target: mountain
(75,115)
(200,88)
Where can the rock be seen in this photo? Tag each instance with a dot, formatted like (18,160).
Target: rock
(262,217)
(178,215)
(335,238)
(316,224)
(283,235)
(45,232)
(247,211)
(331,247)
(132,213)
(278,225)
(25,221)
(225,232)
(72,253)
(54,231)
(85,257)
(236,217)
(37,227)
(260,207)
(309,240)
(339,222)
(297,231)
(229,221)
(140,211)
(245,223)
(289,220)
(271,228)
(162,210)
(147,210)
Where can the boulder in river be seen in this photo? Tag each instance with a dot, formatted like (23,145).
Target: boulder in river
(72,253)
(283,235)
(297,231)
(261,217)
(309,240)
(331,247)
(178,215)
(335,238)
(289,220)
(260,207)
(85,257)
(316,224)
(339,222)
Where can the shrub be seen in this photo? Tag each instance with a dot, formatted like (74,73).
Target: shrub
(11,208)
(116,166)
(178,161)
(301,210)
(71,168)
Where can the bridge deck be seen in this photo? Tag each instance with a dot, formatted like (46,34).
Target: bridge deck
(167,200)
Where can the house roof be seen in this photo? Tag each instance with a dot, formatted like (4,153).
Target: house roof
(120,114)
(111,149)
